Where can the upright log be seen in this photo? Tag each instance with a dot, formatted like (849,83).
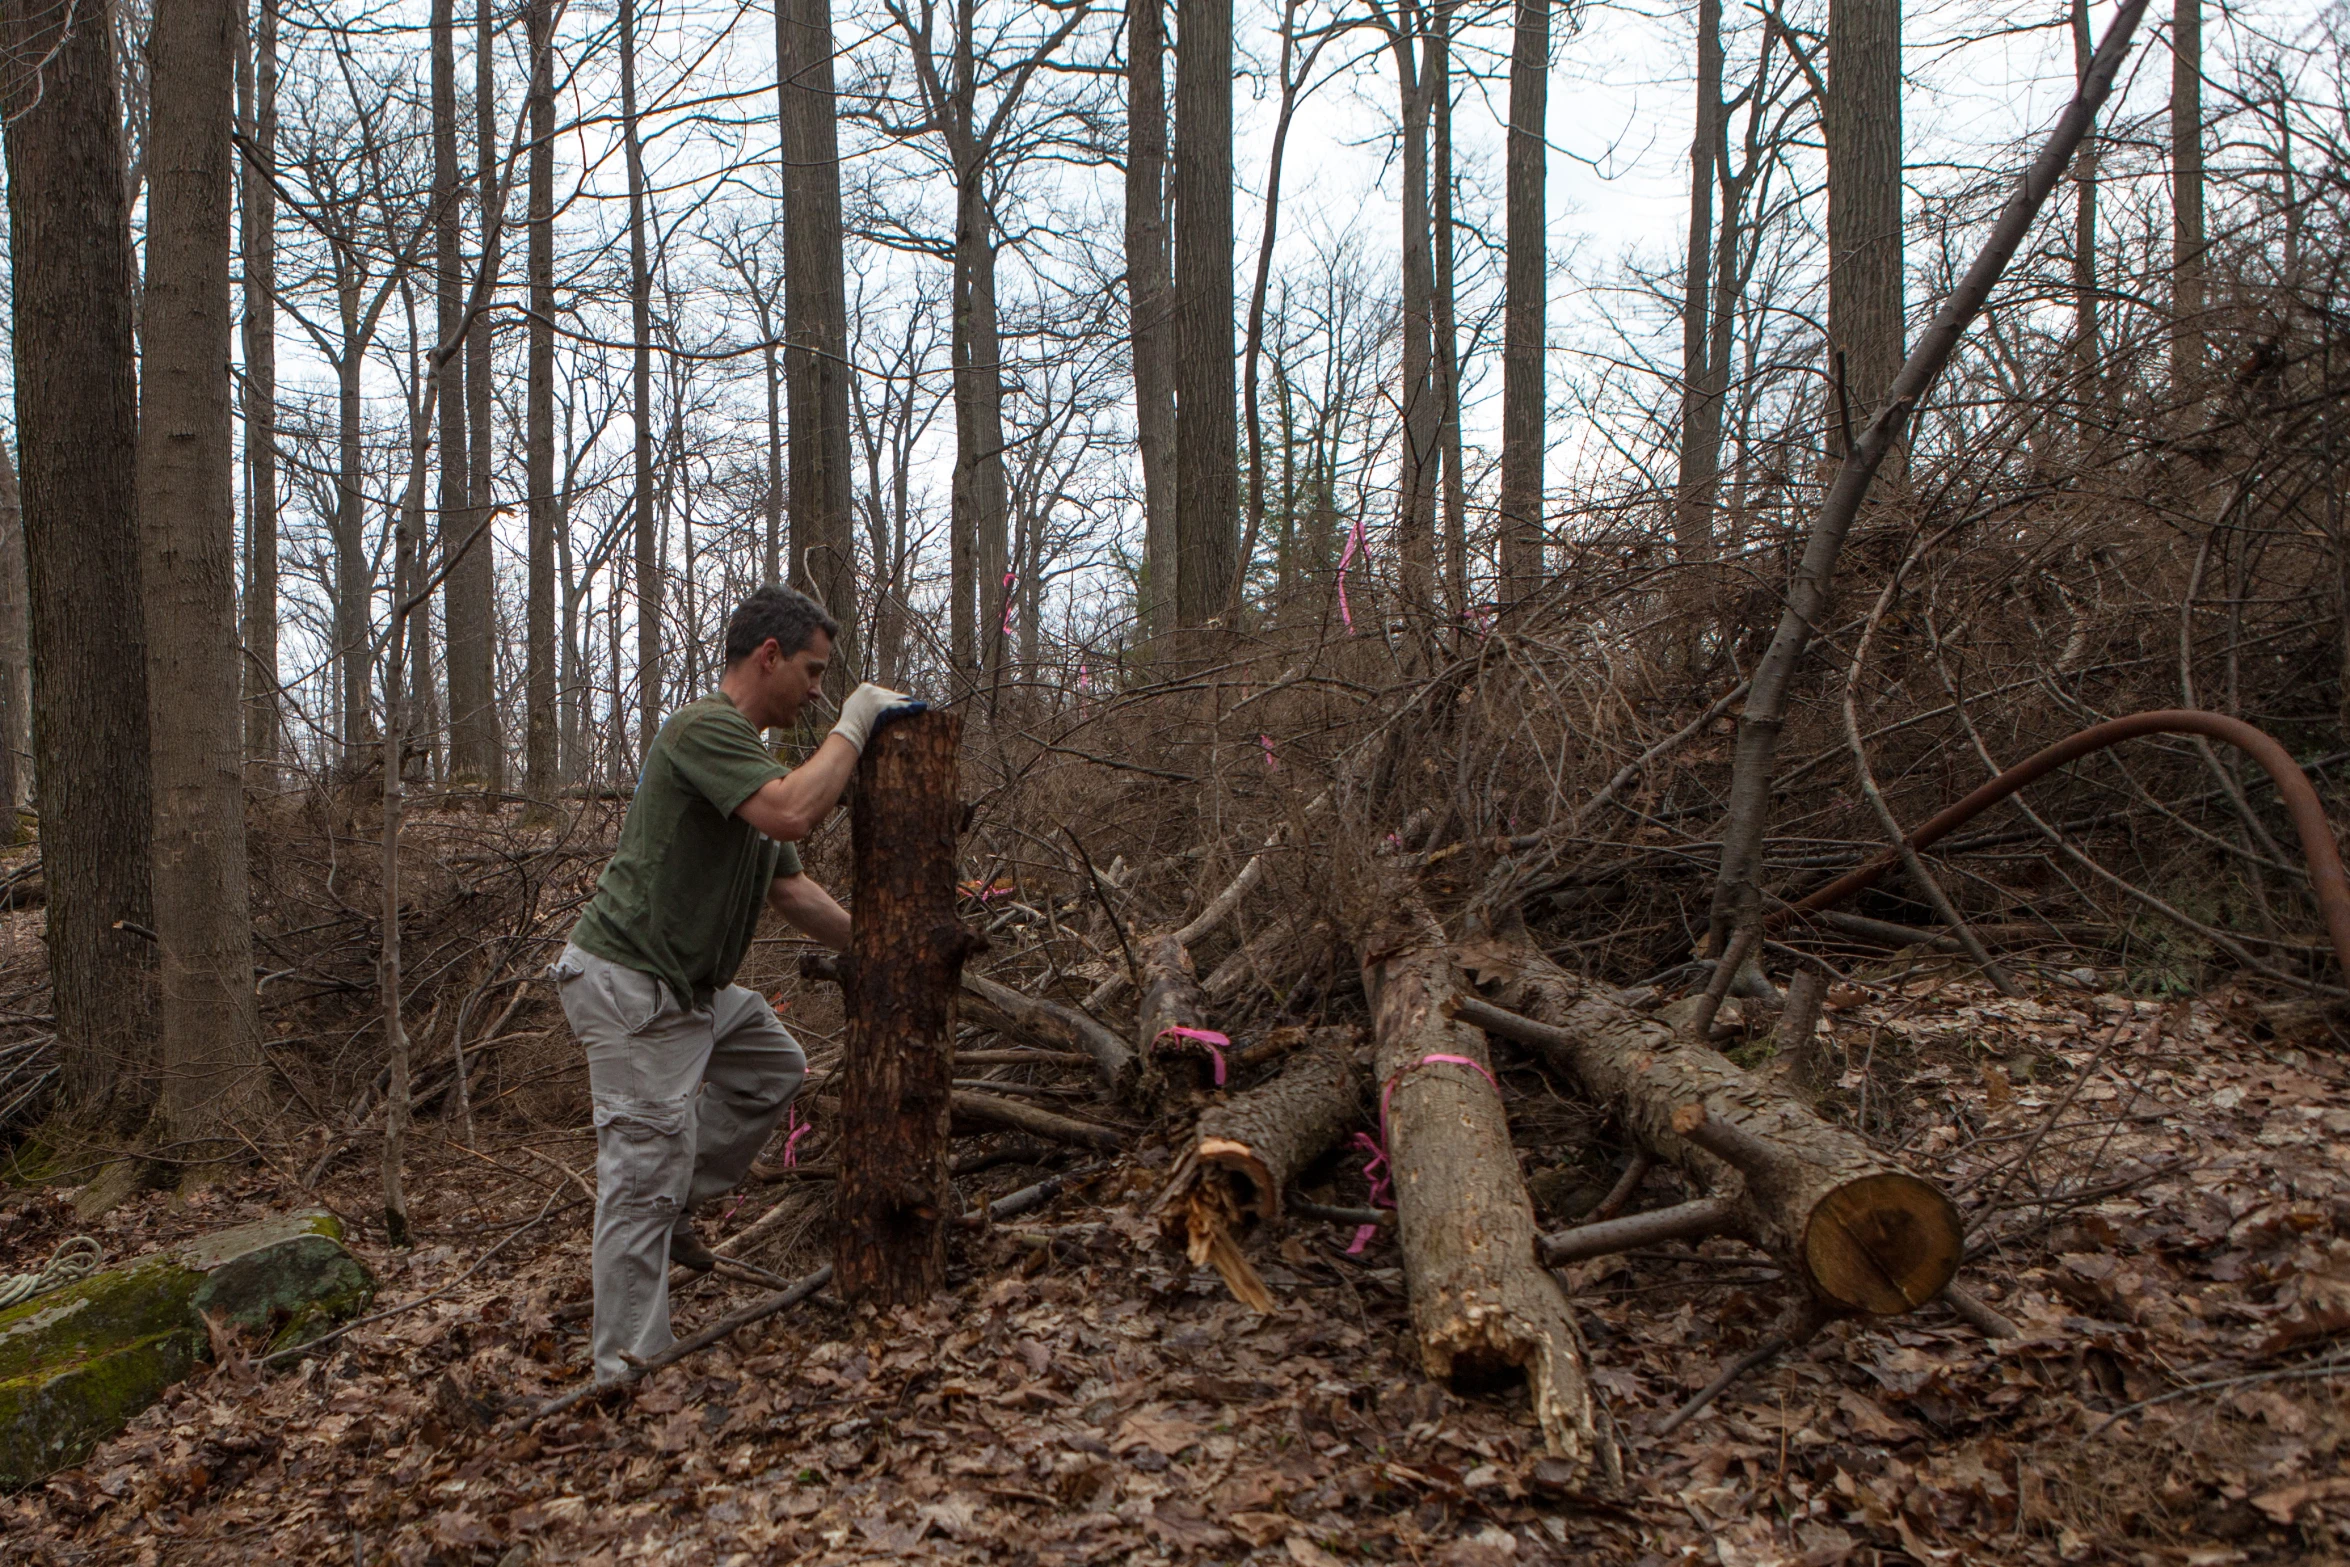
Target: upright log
(1171,999)
(1481,1303)
(906,952)
(1857,1231)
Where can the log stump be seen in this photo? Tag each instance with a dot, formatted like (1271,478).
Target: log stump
(898,986)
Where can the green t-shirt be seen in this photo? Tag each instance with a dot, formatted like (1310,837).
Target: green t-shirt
(682,895)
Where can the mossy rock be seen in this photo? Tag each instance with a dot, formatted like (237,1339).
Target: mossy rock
(77,1363)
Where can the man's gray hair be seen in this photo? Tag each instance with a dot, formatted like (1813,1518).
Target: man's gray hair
(785,614)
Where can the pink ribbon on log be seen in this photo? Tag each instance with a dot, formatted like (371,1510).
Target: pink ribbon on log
(1381,1186)
(1207,1039)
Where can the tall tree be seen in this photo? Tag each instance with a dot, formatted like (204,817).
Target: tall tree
(15,698)
(640,315)
(1445,327)
(1862,119)
(77,427)
(1148,303)
(1522,382)
(210,1034)
(541,754)
(465,623)
(2186,198)
(477,752)
(257,241)
(1701,410)
(1207,435)
(2085,346)
(816,369)
(1413,42)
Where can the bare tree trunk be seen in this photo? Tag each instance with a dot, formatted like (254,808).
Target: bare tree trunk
(2186,197)
(77,428)
(640,306)
(1523,383)
(1207,478)
(211,1055)
(258,242)
(1417,459)
(1149,302)
(1862,119)
(1455,498)
(15,698)
(906,953)
(465,624)
(2086,353)
(1701,411)
(771,503)
(353,578)
(476,748)
(542,753)
(816,326)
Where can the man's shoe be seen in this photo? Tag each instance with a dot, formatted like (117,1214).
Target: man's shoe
(687,1251)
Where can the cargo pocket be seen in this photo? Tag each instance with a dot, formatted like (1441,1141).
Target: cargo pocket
(643,1152)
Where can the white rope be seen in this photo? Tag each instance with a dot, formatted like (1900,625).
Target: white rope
(76,1259)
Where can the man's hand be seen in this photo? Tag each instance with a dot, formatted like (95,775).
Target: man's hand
(865,709)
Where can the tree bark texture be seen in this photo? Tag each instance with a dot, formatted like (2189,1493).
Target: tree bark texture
(1859,1233)
(1171,998)
(477,751)
(906,951)
(816,329)
(2086,352)
(15,697)
(1481,1304)
(1207,435)
(2186,197)
(1523,390)
(187,506)
(1055,1027)
(640,307)
(1862,118)
(1247,1149)
(1446,336)
(1149,301)
(542,751)
(77,433)
(258,250)
(1701,410)
(466,630)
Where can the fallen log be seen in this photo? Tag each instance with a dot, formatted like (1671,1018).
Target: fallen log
(1860,1234)
(1172,1016)
(1481,1304)
(1051,1026)
(977,1111)
(1247,1149)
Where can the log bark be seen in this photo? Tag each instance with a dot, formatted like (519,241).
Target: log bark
(1247,1149)
(1052,1026)
(976,1112)
(1481,1304)
(906,950)
(1860,1233)
(1171,998)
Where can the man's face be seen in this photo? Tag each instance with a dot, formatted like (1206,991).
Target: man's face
(792,678)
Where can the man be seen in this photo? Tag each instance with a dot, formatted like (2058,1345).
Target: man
(688,1070)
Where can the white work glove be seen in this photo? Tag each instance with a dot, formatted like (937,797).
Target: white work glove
(866,709)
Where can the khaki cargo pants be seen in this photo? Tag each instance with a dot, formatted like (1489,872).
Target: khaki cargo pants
(685,1098)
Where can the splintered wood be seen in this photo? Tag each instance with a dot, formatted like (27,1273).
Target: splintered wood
(1247,1149)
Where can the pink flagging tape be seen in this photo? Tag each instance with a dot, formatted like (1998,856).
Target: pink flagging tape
(1382,1188)
(1354,546)
(791,1139)
(1207,1039)
(1011,580)
(1271,766)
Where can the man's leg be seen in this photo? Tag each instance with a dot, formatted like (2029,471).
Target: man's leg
(755,1069)
(645,1060)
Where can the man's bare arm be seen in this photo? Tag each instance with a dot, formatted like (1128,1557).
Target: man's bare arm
(788,808)
(811,909)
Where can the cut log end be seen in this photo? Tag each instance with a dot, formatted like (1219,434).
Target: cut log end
(1251,1184)
(1884,1244)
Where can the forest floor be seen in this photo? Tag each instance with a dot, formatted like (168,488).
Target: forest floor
(2161,1199)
